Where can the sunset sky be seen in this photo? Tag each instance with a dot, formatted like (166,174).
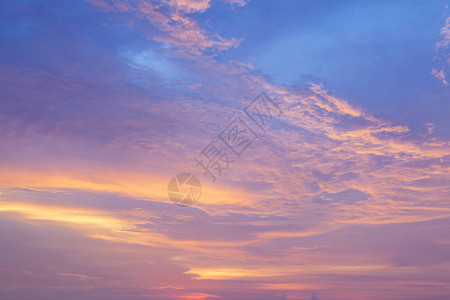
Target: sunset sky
(339,191)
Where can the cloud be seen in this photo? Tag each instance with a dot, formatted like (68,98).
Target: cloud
(199,6)
(349,196)
(175,28)
(442,57)
(430,127)
(445,32)
(237,2)
(190,6)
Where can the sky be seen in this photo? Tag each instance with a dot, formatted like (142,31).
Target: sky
(311,138)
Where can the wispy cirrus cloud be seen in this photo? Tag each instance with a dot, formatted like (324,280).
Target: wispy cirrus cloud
(174,27)
(191,6)
(442,58)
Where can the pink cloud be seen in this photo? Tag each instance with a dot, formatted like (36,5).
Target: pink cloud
(175,27)
(445,32)
(442,57)
(190,6)
(237,2)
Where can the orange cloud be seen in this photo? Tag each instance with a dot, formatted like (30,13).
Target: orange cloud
(191,6)
(194,296)
(176,28)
